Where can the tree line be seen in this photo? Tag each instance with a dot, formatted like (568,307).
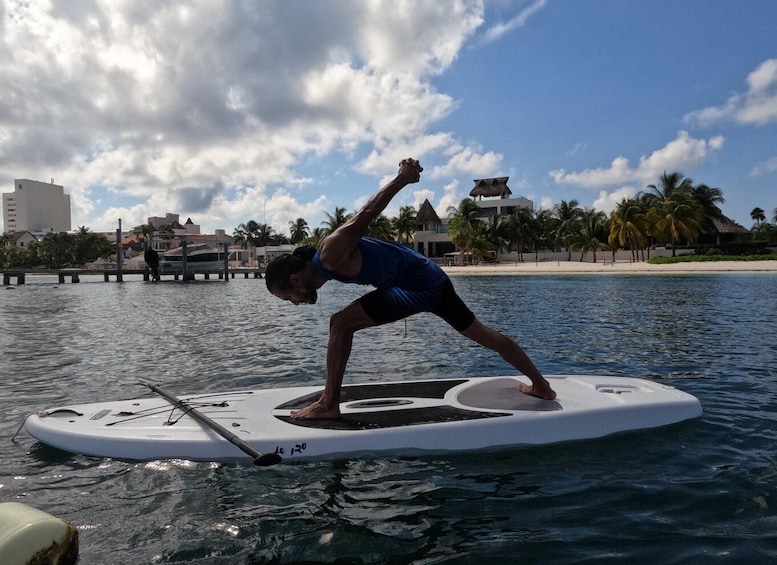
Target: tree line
(672,212)
(255,234)
(763,230)
(56,250)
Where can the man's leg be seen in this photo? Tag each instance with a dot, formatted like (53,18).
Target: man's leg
(342,326)
(452,309)
(513,354)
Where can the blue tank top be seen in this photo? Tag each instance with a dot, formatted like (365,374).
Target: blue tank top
(389,264)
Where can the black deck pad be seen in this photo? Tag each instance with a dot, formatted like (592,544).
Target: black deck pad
(394,418)
(503,394)
(353,393)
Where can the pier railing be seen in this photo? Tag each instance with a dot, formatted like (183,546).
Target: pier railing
(74,275)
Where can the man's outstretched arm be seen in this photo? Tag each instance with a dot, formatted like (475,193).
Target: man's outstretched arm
(409,172)
(347,235)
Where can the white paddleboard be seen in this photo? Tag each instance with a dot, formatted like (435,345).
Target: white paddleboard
(410,417)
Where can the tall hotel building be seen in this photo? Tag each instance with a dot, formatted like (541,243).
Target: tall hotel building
(37,207)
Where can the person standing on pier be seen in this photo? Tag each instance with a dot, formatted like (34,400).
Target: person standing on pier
(406,283)
(151,258)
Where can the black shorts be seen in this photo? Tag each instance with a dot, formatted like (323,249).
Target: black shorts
(390,304)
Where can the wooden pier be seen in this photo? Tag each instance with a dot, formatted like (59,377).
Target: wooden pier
(74,275)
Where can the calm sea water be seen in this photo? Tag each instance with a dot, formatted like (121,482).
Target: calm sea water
(699,492)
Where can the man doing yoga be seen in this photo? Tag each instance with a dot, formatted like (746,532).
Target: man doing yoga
(405,282)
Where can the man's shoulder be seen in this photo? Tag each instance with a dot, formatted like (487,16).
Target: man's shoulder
(337,251)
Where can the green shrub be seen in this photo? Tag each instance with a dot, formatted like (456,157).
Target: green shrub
(768,256)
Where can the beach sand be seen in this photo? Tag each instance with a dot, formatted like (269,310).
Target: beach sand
(610,268)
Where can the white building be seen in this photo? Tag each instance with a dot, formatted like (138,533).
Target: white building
(22,239)
(492,196)
(37,207)
(174,221)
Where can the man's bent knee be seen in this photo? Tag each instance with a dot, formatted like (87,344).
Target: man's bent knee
(351,318)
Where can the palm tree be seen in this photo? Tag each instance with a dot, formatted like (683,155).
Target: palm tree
(81,244)
(464,225)
(668,184)
(709,198)
(405,223)
(568,215)
(299,230)
(545,225)
(252,234)
(261,235)
(480,247)
(522,229)
(241,238)
(592,235)
(497,230)
(764,232)
(5,239)
(675,214)
(316,237)
(277,238)
(56,249)
(250,228)
(627,226)
(245,232)
(381,227)
(335,220)
(678,217)
(758,215)
(88,246)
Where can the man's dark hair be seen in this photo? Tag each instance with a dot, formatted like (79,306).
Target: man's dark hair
(281,268)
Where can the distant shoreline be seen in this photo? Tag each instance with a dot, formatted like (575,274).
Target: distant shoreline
(610,268)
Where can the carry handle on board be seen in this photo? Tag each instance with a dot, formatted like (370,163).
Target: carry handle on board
(260,459)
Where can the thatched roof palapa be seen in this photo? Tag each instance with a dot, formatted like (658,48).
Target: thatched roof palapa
(496,186)
(728,226)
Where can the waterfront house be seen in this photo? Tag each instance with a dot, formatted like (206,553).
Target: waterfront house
(22,239)
(725,230)
(491,195)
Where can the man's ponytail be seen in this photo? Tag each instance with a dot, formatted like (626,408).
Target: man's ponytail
(305,252)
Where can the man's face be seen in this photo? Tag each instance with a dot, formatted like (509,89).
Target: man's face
(300,292)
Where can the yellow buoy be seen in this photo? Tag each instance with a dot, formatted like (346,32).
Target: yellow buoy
(29,536)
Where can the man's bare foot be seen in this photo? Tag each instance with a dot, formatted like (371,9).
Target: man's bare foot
(317,411)
(545,393)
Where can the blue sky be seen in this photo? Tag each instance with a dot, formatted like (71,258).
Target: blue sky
(233,111)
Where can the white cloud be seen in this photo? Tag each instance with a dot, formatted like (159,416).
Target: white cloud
(281,208)
(497,31)
(450,198)
(384,158)
(467,160)
(683,152)
(767,167)
(420,195)
(194,98)
(407,35)
(757,106)
(578,148)
(608,201)
(546,203)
